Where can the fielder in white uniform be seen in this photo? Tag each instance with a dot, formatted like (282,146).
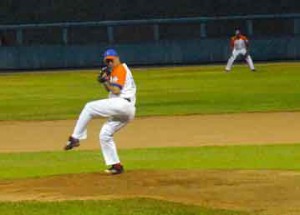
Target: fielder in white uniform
(119,108)
(239,45)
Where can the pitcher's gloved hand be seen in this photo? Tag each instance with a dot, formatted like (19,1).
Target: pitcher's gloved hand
(104,74)
(103,78)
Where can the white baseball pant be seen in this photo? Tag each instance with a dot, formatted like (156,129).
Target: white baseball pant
(235,54)
(118,110)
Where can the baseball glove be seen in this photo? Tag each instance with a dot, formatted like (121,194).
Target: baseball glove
(104,74)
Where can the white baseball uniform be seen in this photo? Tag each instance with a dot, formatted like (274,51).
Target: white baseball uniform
(119,109)
(239,45)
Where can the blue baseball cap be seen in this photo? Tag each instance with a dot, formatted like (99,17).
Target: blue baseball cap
(110,54)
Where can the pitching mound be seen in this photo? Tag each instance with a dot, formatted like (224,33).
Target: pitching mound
(270,192)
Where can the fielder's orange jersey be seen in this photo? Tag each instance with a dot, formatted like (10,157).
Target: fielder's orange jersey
(239,42)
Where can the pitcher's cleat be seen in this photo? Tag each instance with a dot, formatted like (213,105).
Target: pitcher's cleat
(115,169)
(72,143)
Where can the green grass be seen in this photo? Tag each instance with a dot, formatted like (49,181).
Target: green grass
(113,207)
(161,91)
(276,157)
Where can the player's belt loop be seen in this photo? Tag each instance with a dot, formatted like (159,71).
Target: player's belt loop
(128,99)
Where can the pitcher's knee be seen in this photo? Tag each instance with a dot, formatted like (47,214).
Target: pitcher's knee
(105,137)
(88,106)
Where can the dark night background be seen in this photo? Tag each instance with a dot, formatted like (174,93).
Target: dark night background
(42,11)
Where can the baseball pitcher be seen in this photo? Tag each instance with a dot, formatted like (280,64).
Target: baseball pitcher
(119,108)
(239,45)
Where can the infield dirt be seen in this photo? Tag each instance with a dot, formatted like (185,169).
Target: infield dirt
(266,192)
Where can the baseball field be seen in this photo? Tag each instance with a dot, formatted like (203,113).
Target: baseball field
(203,142)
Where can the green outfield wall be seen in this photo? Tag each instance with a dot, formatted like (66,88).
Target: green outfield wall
(152,53)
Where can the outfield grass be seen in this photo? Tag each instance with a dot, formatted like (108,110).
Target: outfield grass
(161,91)
(276,157)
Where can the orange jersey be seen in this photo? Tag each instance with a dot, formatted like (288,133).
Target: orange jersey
(121,77)
(118,75)
(238,43)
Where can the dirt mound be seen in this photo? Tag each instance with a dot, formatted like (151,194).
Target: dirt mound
(269,192)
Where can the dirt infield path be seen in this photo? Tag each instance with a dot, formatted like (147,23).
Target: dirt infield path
(198,130)
(266,192)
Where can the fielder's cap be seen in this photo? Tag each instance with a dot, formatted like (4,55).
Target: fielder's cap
(110,54)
